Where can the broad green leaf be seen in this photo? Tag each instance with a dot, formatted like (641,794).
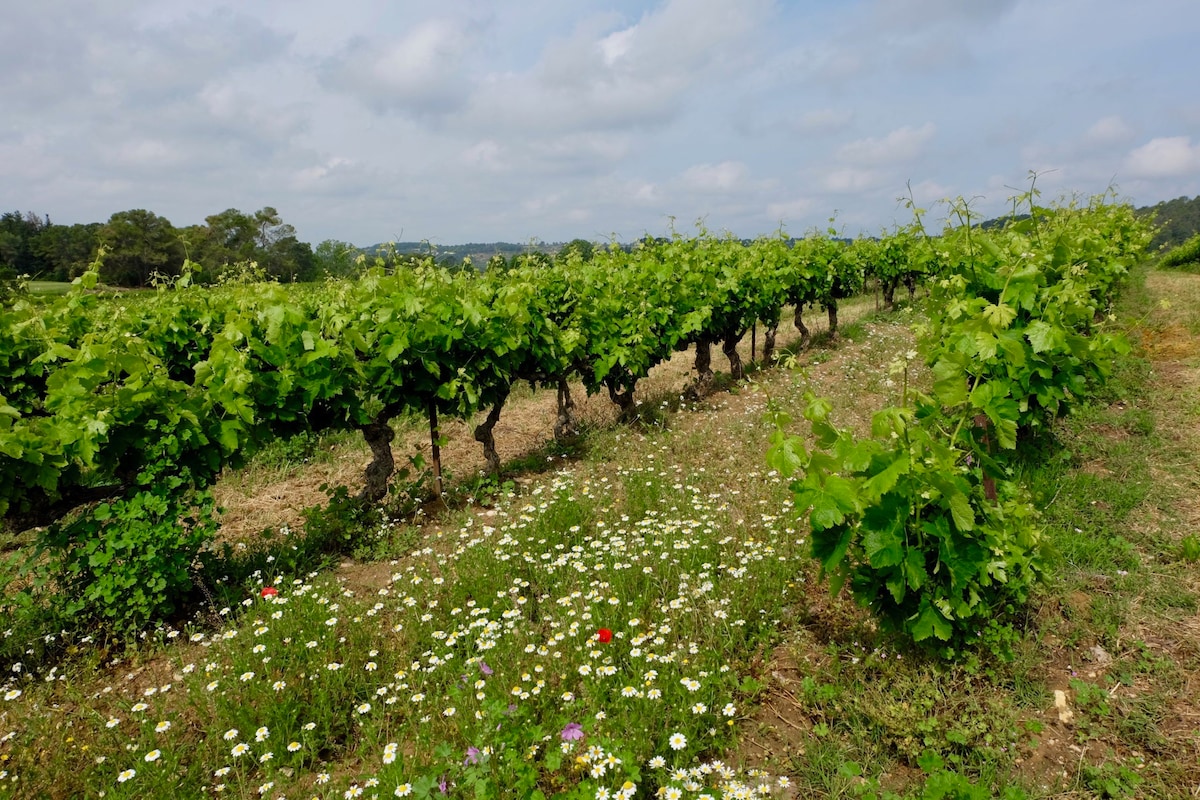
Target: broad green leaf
(1044,337)
(888,473)
(950,382)
(883,528)
(787,454)
(833,501)
(930,622)
(999,316)
(960,509)
(829,546)
(914,568)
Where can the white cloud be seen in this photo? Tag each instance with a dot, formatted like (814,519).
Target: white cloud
(824,120)
(138,153)
(927,192)
(486,154)
(1108,131)
(638,75)
(592,148)
(851,180)
(329,174)
(1164,157)
(422,72)
(234,111)
(723,177)
(616,45)
(901,145)
(791,210)
(645,192)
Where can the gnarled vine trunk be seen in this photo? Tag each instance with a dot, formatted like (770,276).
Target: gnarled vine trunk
(379,435)
(832,308)
(889,293)
(565,426)
(624,401)
(729,348)
(704,373)
(805,334)
(768,351)
(483,435)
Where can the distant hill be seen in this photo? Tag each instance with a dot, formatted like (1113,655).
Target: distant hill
(479,252)
(1179,220)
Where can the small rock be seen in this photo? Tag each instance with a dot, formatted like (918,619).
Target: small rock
(1065,714)
(1101,656)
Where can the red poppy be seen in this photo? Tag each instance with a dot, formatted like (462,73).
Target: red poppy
(269,591)
(604,635)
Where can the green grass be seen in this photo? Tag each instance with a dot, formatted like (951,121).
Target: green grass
(48,287)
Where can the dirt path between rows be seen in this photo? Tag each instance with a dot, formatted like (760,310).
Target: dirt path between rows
(254,502)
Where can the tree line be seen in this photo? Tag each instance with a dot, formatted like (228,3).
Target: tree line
(141,245)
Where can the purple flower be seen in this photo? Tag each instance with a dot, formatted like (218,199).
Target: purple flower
(472,756)
(484,668)
(442,785)
(573,732)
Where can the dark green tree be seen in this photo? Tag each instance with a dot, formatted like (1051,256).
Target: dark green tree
(582,247)
(17,234)
(139,244)
(335,258)
(224,239)
(65,251)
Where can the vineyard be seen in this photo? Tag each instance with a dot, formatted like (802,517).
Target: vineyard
(560,644)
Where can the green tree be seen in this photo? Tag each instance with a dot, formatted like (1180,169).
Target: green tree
(17,234)
(66,250)
(279,252)
(224,239)
(336,258)
(139,244)
(582,247)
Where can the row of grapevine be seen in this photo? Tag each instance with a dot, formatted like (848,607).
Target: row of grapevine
(924,520)
(117,415)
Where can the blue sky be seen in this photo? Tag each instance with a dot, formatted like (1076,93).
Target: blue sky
(375,120)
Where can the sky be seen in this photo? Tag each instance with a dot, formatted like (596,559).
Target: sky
(462,120)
